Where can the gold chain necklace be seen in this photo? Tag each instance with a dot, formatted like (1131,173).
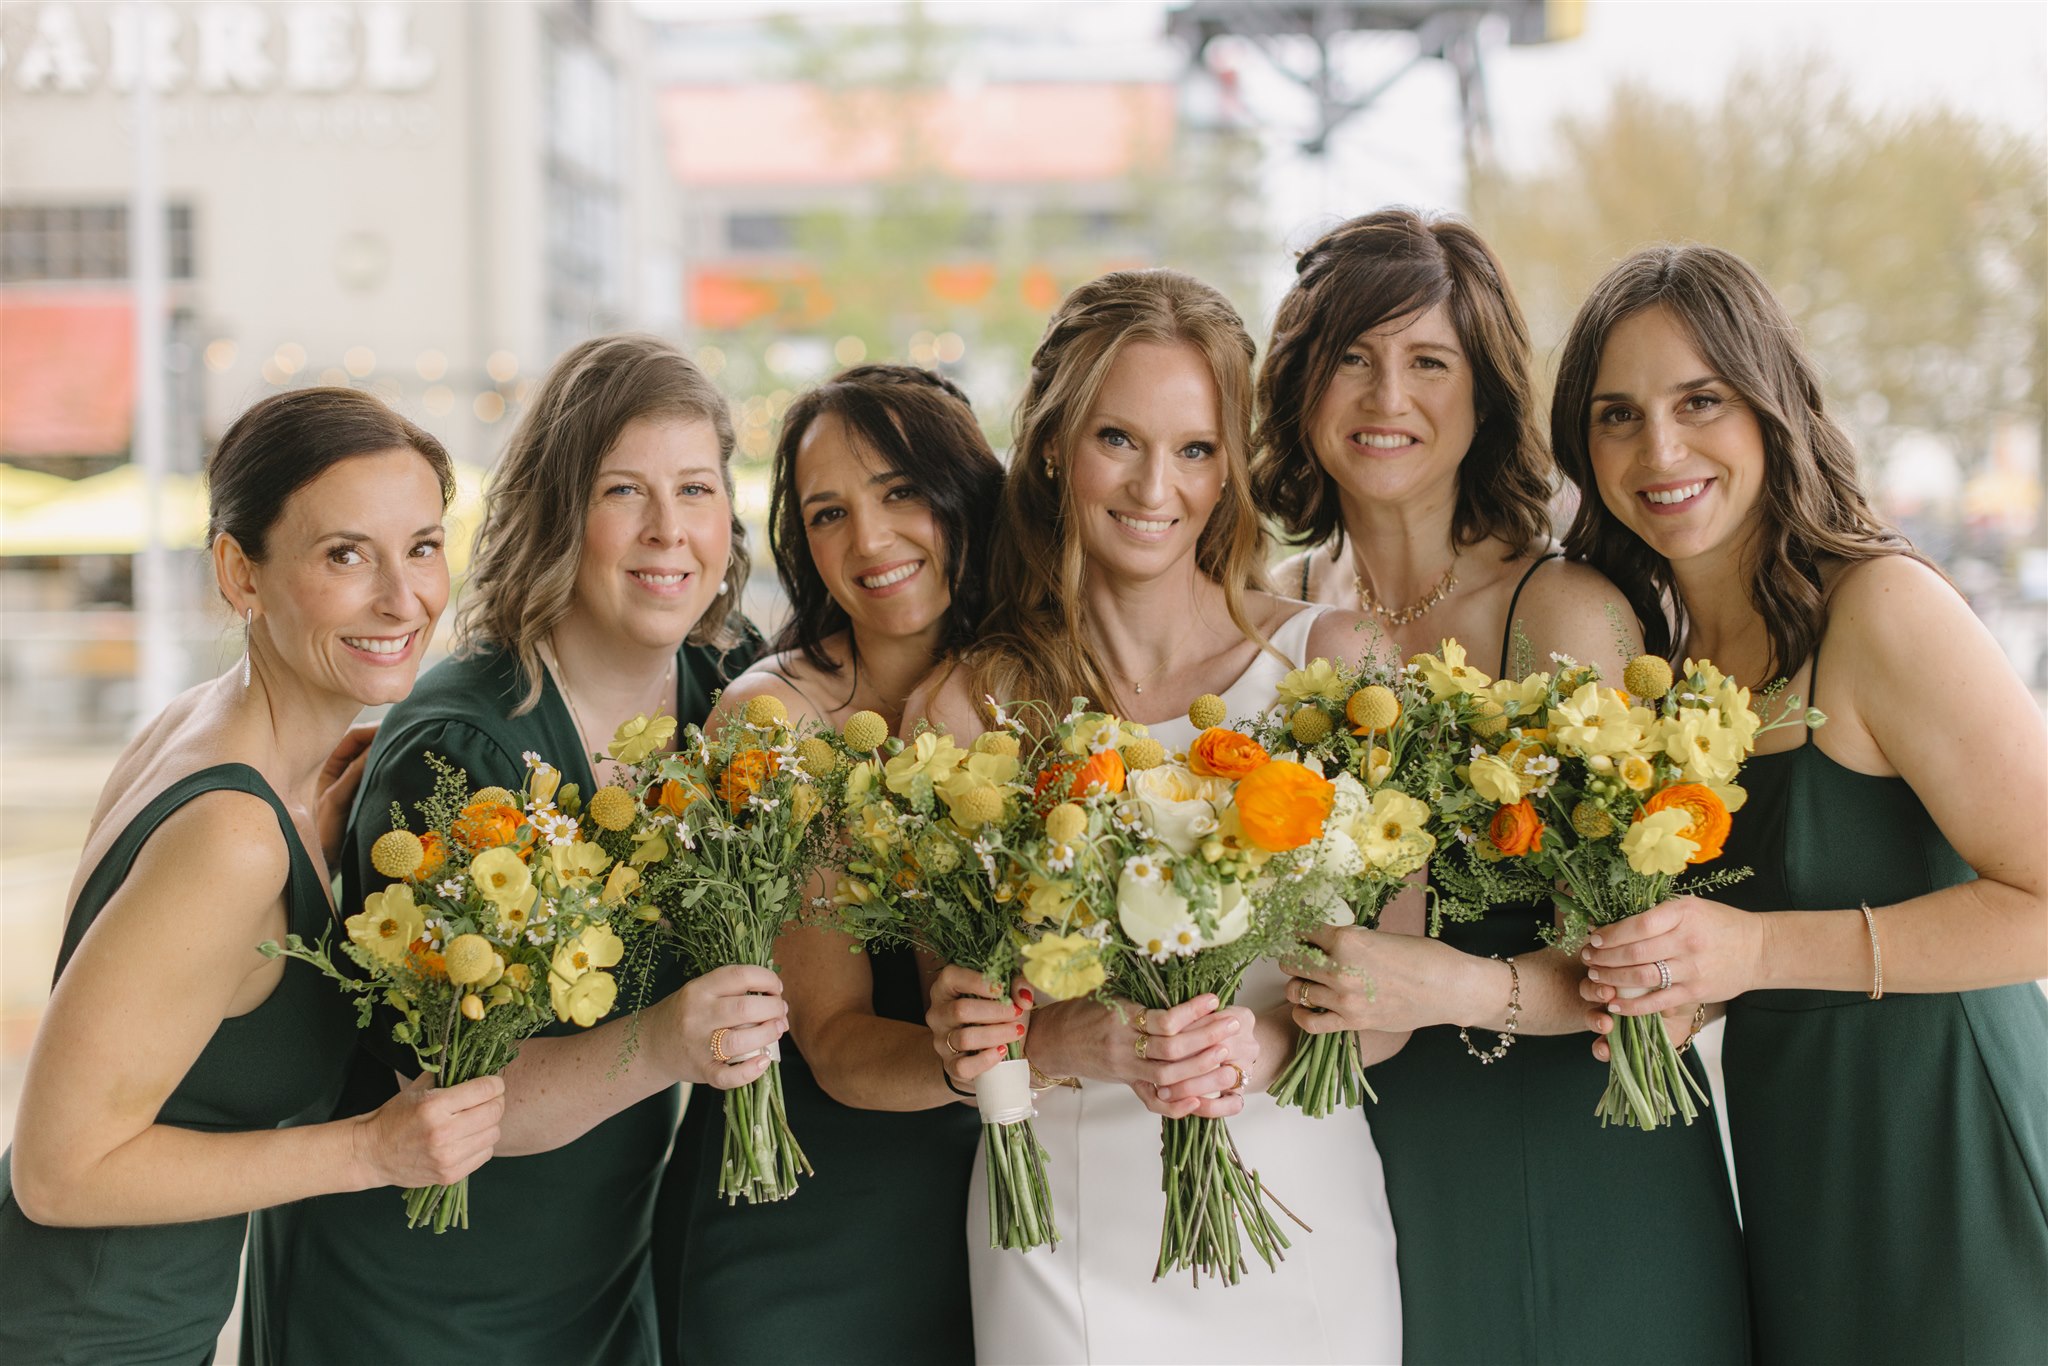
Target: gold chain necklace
(554,664)
(1414,611)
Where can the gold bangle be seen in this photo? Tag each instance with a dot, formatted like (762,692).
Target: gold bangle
(1041,1082)
(1876,992)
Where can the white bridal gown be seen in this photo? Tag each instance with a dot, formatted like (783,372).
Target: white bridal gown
(1336,1298)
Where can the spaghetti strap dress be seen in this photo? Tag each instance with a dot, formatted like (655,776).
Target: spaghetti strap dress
(555,1266)
(1892,1155)
(161,1293)
(1505,1235)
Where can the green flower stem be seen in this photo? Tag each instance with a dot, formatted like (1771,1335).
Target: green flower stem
(762,1159)
(1213,1205)
(1325,1075)
(1019,1198)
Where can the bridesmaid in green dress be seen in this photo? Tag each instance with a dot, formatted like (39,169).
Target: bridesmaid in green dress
(1398,437)
(1885,1033)
(175,1071)
(571,624)
(882,486)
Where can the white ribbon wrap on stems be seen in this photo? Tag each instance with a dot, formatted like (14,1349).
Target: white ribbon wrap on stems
(1003,1093)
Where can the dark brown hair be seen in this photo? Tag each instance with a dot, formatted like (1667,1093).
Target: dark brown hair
(524,570)
(1034,646)
(1357,277)
(914,423)
(287,441)
(1811,507)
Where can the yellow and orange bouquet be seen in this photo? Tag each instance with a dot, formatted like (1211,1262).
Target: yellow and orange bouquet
(728,829)
(500,918)
(930,831)
(1159,878)
(1379,736)
(1608,795)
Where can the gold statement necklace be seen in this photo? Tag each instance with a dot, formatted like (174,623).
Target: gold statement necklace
(1416,610)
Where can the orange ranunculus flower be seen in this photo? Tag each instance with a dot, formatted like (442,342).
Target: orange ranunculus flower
(425,961)
(1707,812)
(487,825)
(747,774)
(1281,805)
(436,850)
(1221,753)
(677,797)
(1516,829)
(1102,772)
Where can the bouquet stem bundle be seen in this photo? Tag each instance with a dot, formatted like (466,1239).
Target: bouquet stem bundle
(762,1157)
(1019,1200)
(1326,1073)
(467,1054)
(1215,1205)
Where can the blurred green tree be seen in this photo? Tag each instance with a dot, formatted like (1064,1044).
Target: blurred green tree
(1908,247)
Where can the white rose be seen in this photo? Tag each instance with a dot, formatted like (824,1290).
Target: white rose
(1179,807)
(1337,854)
(1160,922)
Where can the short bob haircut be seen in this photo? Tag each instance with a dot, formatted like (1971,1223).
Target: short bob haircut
(527,551)
(1811,507)
(288,440)
(1362,275)
(914,423)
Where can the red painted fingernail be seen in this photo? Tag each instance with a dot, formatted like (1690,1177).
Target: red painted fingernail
(1017,1008)
(1020,1030)
(1024,995)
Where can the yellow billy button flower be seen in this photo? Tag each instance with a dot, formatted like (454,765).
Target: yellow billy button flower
(1373,708)
(977,807)
(1591,821)
(1066,823)
(398,853)
(1000,743)
(472,961)
(493,796)
(819,759)
(1143,752)
(1309,725)
(1647,677)
(388,924)
(765,712)
(613,808)
(1206,711)
(864,732)
(1489,717)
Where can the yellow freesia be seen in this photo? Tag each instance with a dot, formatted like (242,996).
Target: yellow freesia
(388,924)
(636,739)
(1064,966)
(932,756)
(1317,679)
(1446,674)
(1657,843)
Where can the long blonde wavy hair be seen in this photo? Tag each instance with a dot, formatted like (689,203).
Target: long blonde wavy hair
(524,571)
(1033,643)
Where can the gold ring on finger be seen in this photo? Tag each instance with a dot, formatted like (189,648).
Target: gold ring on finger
(1140,1025)
(718,1054)
(1301,992)
(1143,1039)
(1239,1085)
(948,1037)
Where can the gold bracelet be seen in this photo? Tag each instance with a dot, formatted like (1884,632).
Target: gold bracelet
(1876,992)
(1507,1034)
(1699,1022)
(1041,1082)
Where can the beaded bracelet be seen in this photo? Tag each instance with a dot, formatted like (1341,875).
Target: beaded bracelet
(1876,992)
(1507,1035)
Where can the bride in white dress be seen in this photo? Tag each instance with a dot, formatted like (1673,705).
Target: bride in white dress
(1123,568)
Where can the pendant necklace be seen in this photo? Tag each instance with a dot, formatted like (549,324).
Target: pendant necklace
(1414,611)
(554,664)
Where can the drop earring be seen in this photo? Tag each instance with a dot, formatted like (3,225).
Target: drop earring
(248,623)
(1050,472)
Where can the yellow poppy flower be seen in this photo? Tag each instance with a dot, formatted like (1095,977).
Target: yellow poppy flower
(1063,966)
(388,924)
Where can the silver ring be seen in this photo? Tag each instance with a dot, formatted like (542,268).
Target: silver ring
(1663,975)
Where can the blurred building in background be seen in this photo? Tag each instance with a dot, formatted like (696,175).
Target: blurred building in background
(426,200)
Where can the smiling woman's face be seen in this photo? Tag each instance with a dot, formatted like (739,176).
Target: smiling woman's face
(1677,455)
(1148,468)
(1397,418)
(872,535)
(657,533)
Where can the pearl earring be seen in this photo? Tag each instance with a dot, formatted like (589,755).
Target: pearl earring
(248,623)
(724,587)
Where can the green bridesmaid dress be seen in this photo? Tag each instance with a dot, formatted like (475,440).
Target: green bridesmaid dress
(1892,1155)
(102,1296)
(1507,1194)
(554,1267)
(867,1262)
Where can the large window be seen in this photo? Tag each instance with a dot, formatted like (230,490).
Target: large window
(89,242)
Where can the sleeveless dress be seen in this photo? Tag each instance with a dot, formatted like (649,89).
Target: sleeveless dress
(1505,1228)
(161,1293)
(554,1268)
(865,1263)
(1093,1299)
(1892,1155)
